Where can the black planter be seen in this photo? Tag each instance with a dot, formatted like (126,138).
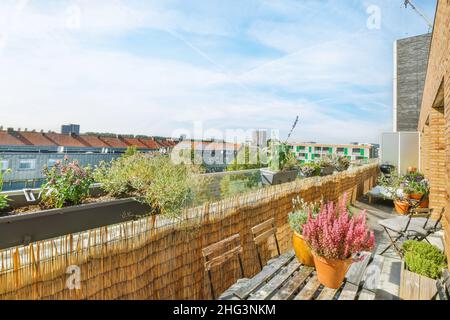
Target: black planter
(326,171)
(30,227)
(273,178)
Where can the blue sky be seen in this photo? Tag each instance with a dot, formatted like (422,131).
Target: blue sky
(159,67)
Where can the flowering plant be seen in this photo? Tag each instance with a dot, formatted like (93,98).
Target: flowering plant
(310,169)
(301,211)
(333,234)
(67,184)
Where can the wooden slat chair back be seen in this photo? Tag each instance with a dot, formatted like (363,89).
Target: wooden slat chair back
(261,233)
(219,253)
(443,286)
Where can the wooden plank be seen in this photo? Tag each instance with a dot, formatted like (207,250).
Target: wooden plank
(222,258)
(293,284)
(348,292)
(276,282)
(262,226)
(267,272)
(262,237)
(356,271)
(366,295)
(427,288)
(327,294)
(219,245)
(372,274)
(308,291)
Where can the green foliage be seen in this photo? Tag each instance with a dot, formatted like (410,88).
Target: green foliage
(66,184)
(341,163)
(424,258)
(310,169)
(246,160)
(237,184)
(281,157)
(167,187)
(300,213)
(3,198)
(131,150)
(326,162)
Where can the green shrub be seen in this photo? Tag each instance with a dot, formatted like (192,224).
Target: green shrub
(424,258)
(155,180)
(66,184)
(301,210)
(3,198)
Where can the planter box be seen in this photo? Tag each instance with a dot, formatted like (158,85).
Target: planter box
(414,286)
(327,171)
(273,178)
(46,224)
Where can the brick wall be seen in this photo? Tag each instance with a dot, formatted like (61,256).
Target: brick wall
(434,122)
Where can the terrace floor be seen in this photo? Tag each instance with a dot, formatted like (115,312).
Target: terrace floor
(390,277)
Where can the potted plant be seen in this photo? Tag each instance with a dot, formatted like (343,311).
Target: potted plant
(326,166)
(422,264)
(417,187)
(335,237)
(394,189)
(4,199)
(309,169)
(282,165)
(297,219)
(341,163)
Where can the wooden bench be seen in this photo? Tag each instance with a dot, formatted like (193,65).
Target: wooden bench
(284,278)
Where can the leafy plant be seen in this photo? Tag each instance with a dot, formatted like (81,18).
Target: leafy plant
(4,199)
(414,187)
(341,163)
(130,151)
(166,187)
(281,157)
(310,169)
(393,185)
(424,258)
(334,234)
(326,162)
(301,211)
(66,184)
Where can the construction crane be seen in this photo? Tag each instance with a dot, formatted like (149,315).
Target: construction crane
(419,12)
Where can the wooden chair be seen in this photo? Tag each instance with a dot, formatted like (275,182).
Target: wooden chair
(261,233)
(231,246)
(443,286)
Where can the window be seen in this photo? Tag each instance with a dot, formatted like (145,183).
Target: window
(356,150)
(340,150)
(4,165)
(51,162)
(27,164)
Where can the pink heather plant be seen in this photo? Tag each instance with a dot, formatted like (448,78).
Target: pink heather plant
(333,234)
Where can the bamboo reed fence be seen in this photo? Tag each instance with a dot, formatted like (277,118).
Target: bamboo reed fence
(158,258)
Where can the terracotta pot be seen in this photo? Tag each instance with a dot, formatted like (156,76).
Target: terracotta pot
(424,204)
(331,272)
(401,206)
(302,250)
(412,170)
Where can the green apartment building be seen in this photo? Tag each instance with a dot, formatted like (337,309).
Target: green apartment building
(308,152)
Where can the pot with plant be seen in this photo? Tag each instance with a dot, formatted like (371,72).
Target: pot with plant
(335,237)
(418,189)
(422,265)
(282,162)
(309,169)
(4,199)
(327,166)
(341,163)
(297,219)
(394,187)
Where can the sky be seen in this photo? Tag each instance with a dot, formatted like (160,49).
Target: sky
(167,67)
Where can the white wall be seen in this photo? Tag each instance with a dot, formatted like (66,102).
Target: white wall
(400,149)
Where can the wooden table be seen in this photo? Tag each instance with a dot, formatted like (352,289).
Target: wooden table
(284,278)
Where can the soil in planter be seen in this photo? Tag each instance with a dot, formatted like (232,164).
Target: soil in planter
(37,207)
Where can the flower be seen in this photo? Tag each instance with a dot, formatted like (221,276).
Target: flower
(333,234)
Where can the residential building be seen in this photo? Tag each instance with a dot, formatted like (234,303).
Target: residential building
(259,138)
(70,129)
(214,155)
(410,65)
(434,121)
(26,153)
(308,152)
